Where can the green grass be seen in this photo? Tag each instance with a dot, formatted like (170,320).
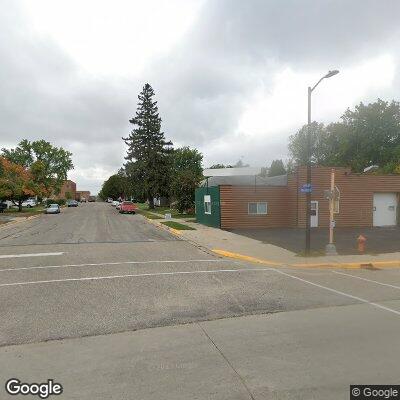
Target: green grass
(148,215)
(178,226)
(165,210)
(25,211)
(142,206)
(313,253)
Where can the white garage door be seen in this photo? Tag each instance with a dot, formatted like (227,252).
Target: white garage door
(385,209)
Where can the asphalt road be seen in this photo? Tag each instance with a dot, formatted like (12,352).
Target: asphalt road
(88,223)
(79,292)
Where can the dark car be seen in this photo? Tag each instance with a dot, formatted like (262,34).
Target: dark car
(3,206)
(72,203)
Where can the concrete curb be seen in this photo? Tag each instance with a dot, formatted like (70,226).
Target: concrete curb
(11,223)
(332,265)
(178,234)
(175,232)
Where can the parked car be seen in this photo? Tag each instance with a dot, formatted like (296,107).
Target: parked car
(3,206)
(127,207)
(109,200)
(83,200)
(115,203)
(29,203)
(118,205)
(72,203)
(53,209)
(92,199)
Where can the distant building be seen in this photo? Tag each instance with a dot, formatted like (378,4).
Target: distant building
(68,190)
(80,194)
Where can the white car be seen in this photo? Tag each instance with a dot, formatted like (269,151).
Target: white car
(115,203)
(53,209)
(29,203)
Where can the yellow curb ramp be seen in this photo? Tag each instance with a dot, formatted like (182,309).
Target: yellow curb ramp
(245,258)
(333,265)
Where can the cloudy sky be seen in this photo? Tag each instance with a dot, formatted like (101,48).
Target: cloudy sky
(230,76)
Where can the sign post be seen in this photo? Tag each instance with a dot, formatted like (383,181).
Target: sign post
(332,196)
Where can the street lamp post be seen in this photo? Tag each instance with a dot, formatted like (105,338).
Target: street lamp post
(309,155)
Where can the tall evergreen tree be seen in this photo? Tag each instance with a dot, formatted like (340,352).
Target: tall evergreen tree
(147,148)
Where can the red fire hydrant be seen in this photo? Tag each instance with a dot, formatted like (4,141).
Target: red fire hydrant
(361,240)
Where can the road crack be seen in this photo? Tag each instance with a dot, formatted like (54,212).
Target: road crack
(243,382)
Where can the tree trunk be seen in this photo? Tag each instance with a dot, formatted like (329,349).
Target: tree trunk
(19,205)
(151,202)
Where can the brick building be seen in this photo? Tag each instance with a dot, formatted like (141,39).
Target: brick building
(68,190)
(232,202)
(82,194)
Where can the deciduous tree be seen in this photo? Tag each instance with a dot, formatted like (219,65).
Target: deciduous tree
(49,164)
(277,168)
(187,172)
(17,183)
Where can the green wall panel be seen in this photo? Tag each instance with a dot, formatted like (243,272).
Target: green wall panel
(213,219)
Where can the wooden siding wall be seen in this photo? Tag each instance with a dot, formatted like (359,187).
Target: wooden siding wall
(356,195)
(234,206)
(286,205)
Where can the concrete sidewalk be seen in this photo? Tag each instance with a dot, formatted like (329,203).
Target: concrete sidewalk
(289,355)
(233,245)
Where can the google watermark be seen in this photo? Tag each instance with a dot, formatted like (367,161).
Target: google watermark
(374,392)
(43,390)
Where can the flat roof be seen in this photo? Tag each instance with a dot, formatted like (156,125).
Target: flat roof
(246,180)
(245,171)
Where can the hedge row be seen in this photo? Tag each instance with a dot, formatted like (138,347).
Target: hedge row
(60,202)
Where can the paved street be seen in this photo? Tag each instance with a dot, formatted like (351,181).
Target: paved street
(114,307)
(88,223)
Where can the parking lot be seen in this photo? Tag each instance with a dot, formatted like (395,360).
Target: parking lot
(379,240)
(108,304)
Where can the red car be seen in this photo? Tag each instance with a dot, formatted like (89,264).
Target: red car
(127,207)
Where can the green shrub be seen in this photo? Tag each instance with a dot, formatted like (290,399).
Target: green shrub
(60,202)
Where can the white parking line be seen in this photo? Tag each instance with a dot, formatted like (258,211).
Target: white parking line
(93,278)
(338,292)
(30,255)
(114,263)
(368,280)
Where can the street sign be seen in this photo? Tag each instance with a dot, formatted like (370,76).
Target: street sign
(306,188)
(328,194)
(332,194)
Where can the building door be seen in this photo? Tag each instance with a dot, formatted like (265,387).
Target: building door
(385,209)
(314,214)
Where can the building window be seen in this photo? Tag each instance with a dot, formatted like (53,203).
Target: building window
(257,208)
(207,204)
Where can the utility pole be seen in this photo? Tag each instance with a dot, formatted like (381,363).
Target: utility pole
(309,156)
(308,193)
(330,248)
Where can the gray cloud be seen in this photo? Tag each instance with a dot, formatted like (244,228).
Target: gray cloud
(203,84)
